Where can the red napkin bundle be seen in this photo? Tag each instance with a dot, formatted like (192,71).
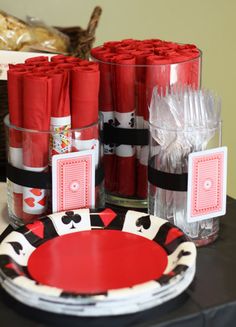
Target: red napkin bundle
(125,118)
(84,95)
(99,52)
(58,58)
(36,60)
(15,105)
(157,74)
(157,63)
(41,94)
(15,102)
(37,98)
(194,65)
(141,109)
(106,107)
(84,107)
(60,115)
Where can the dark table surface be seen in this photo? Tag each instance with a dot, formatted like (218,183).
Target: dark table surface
(209,301)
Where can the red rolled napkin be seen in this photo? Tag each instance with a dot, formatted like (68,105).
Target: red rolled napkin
(84,108)
(88,63)
(84,95)
(179,70)
(37,99)
(194,65)
(146,47)
(106,107)
(60,139)
(68,68)
(36,60)
(58,58)
(125,48)
(19,66)
(15,105)
(111,45)
(99,52)
(141,123)
(125,118)
(46,65)
(157,74)
(72,60)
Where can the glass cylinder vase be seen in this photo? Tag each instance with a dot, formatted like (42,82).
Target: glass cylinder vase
(127,78)
(36,186)
(169,151)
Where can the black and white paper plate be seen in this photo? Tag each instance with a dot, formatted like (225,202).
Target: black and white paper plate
(19,247)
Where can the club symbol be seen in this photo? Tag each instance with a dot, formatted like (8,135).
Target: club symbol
(143,222)
(70,217)
(110,122)
(111,149)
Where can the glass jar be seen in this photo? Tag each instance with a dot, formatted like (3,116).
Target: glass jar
(29,170)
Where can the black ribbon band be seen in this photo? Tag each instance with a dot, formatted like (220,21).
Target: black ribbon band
(42,180)
(168,181)
(128,136)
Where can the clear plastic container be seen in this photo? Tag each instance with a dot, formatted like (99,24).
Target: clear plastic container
(170,155)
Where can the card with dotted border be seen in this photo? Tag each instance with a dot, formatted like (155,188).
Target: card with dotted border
(207,178)
(73,180)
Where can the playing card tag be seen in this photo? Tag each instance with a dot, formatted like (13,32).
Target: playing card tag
(73,180)
(206,196)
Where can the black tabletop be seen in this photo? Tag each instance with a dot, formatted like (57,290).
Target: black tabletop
(209,301)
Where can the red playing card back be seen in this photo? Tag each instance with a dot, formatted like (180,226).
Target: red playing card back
(207,184)
(73,180)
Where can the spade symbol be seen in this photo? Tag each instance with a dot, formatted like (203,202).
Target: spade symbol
(144,222)
(16,246)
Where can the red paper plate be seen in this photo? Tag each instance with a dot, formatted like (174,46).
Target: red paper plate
(84,253)
(97,260)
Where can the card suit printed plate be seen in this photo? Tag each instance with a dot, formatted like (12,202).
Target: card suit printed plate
(126,259)
(99,308)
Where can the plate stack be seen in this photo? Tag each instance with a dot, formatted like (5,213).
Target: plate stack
(96,263)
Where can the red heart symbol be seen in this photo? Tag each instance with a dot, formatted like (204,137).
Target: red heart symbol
(42,202)
(37,228)
(36,191)
(107,216)
(30,202)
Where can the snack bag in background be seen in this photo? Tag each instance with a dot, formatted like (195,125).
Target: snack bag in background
(46,37)
(32,35)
